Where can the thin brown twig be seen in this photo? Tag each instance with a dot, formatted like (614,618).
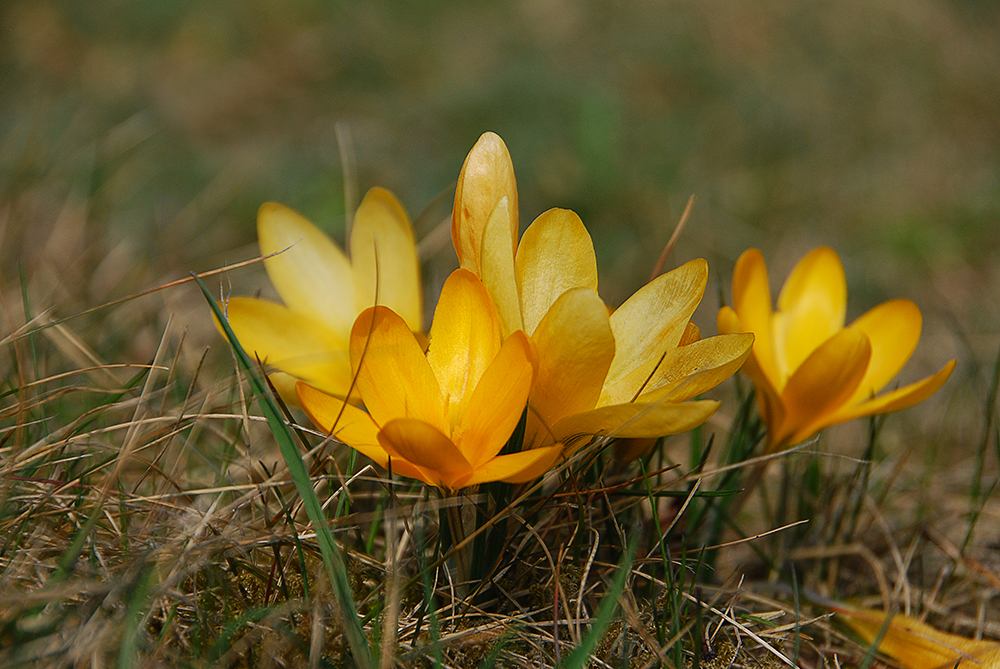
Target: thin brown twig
(685,216)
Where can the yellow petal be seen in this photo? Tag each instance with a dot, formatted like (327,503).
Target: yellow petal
(497,273)
(768,400)
(811,308)
(487,176)
(692,333)
(817,278)
(728,322)
(381,225)
(291,342)
(426,447)
(394,378)
(496,404)
(769,403)
(516,467)
(752,304)
(893,328)
(464,339)
(310,273)
(345,422)
(690,370)
(917,645)
(555,255)
(823,383)
(683,372)
(898,399)
(353,427)
(574,348)
(654,319)
(637,419)
(284,384)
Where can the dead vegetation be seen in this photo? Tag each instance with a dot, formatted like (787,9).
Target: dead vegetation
(149,520)
(147,515)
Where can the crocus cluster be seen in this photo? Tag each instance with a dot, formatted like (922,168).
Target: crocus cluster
(520,333)
(444,416)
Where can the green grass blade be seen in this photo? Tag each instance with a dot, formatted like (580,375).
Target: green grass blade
(300,476)
(140,598)
(67,562)
(26,303)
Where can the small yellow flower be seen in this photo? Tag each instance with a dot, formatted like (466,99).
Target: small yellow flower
(810,370)
(440,417)
(625,374)
(323,292)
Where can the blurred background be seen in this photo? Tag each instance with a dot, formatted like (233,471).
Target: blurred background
(137,140)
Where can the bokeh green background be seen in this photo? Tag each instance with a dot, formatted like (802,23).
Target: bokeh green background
(137,140)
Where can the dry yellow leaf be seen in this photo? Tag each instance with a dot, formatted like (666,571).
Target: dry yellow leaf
(917,645)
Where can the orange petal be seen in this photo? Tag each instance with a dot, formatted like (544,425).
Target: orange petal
(394,378)
(823,383)
(901,398)
(381,225)
(516,467)
(654,319)
(752,304)
(637,419)
(917,645)
(345,422)
(893,328)
(465,337)
(497,272)
(291,342)
(487,176)
(310,273)
(574,348)
(426,447)
(496,404)
(555,255)
(811,308)
(769,403)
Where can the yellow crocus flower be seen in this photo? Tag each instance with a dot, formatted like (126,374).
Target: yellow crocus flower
(323,292)
(444,416)
(625,374)
(810,370)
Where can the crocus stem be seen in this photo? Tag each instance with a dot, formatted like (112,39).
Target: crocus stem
(457,531)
